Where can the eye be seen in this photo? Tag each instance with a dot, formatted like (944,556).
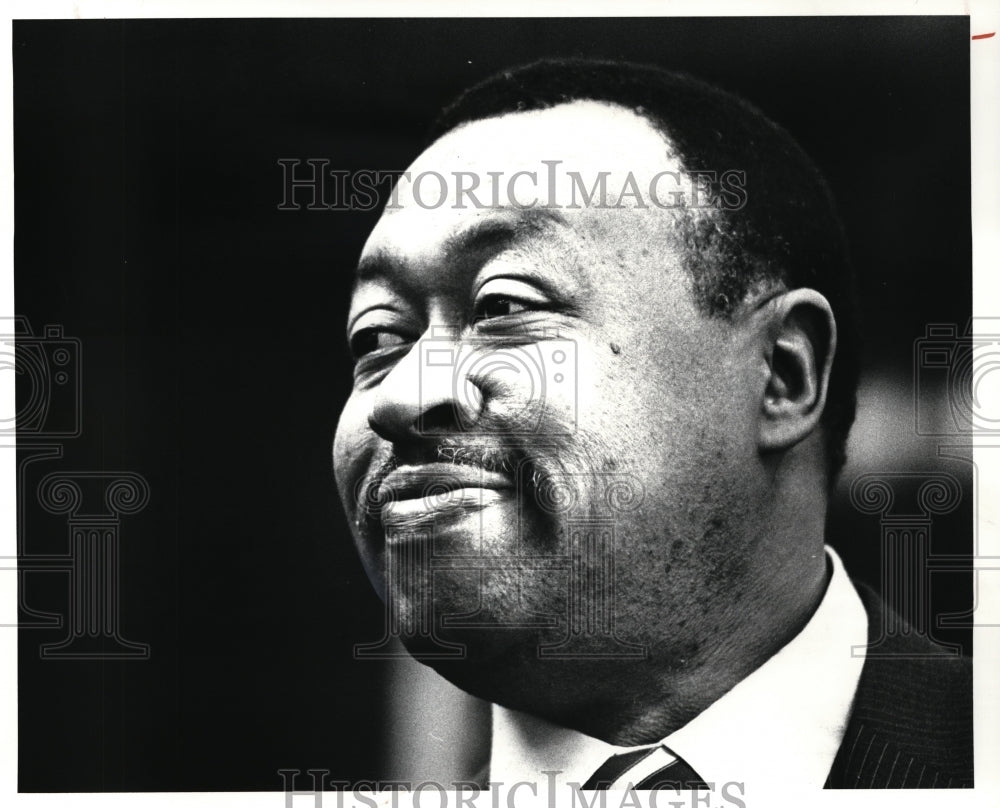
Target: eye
(490,306)
(506,297)
(367,341)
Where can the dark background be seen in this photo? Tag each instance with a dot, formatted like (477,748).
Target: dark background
(211,324)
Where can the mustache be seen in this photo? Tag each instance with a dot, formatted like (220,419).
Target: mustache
(488,457)
(480,452)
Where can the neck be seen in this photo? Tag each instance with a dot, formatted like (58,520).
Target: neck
(668,696)
(742,624)
(735,629)
(705,629)
(628,702)
(648,702)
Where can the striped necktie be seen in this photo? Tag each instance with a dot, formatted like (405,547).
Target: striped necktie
(645,769)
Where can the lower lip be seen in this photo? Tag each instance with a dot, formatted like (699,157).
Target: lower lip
(427,511)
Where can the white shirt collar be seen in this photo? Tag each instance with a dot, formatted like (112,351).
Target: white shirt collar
(794,707)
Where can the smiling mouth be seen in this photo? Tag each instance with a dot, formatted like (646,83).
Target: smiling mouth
(412,497)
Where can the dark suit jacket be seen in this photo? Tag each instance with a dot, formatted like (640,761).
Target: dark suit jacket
(911,723)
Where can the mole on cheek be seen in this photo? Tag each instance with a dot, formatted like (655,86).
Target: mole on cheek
(615,348)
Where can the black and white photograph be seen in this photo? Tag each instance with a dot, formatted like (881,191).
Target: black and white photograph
(403,408)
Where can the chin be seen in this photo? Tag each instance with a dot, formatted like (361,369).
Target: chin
(500,666)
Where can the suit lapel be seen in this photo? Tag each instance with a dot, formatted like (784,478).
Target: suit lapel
(898,735)
(867,760)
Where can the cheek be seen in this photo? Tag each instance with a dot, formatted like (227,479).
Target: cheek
(601,385)
(620,400)
(666,417)
(352,447)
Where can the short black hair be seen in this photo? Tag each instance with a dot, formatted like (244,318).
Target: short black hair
(788,231)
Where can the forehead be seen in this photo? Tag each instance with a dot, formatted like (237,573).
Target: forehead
(546,180)
(548,160)
(584,134)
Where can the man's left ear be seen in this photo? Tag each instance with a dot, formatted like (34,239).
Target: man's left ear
(801,340)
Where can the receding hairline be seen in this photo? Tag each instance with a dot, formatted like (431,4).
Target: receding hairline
(639,113)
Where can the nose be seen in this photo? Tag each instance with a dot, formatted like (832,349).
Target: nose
(426,393)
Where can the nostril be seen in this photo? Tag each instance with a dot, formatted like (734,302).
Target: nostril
(441,419)
(469,401)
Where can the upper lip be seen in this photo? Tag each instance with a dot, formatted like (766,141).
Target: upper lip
(411,482)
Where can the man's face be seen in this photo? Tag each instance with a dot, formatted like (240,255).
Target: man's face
(531,379)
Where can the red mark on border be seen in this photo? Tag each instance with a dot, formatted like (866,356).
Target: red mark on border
(985,36)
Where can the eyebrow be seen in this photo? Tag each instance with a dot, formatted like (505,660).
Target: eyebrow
(486,235)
